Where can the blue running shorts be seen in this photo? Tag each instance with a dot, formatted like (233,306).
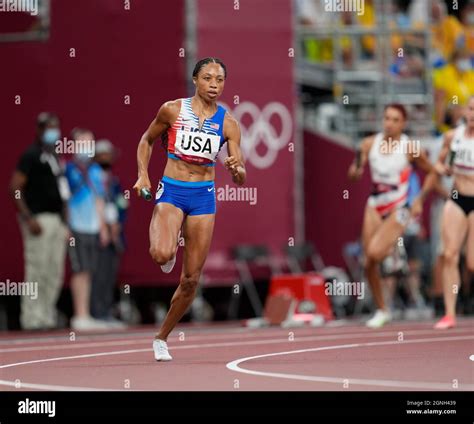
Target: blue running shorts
(192,197)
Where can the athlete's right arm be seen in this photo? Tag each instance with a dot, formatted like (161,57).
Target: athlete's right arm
(165,116)
(362,156)
(440,166)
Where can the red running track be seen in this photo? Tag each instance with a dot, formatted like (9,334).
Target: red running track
(401,356)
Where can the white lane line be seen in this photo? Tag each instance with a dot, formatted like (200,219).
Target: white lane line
(21,385)
(125,339)
(195,346)
(64,358)
(129,334)
(247,332)
(82,345)
(76,345)
(204,332)
(234,366)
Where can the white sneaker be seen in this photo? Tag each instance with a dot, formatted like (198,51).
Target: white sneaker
(115,323)
(168,266)
(379,319)
(88,323)
(161,350)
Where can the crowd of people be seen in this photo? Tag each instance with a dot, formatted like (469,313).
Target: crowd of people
(429,39)
(392,218)
(73,207)
(77,208)
(432,42)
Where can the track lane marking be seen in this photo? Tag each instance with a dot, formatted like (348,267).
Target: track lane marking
(234,366)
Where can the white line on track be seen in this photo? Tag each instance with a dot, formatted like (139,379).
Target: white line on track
(34,386)
(202,333)
(127,333)
(211,345)
(284,334)
(234,366)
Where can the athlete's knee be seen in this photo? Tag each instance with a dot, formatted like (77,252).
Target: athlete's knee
(161,255)
(373,254)
(368,262)
(450,257)
(189,283)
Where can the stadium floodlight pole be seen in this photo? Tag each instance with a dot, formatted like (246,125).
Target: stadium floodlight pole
(428,75)
(190,42)
(298,184)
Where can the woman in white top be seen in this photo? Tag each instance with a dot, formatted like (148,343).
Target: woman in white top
(457,224)
(390,155)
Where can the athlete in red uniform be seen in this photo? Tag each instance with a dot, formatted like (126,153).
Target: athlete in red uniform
(390,155)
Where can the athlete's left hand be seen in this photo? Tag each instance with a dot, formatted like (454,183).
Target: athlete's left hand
(416,207)
(232,165)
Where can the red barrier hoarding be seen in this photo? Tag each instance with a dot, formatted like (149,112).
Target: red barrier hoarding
(94,74)
(259,92)
(107,67)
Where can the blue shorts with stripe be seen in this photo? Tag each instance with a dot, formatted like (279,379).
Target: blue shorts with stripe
(192,197)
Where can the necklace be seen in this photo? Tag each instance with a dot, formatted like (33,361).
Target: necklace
(201,123)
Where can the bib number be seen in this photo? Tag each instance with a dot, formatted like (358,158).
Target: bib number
(159,191)
(198,144)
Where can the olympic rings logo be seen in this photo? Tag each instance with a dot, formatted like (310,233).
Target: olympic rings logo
(262,131)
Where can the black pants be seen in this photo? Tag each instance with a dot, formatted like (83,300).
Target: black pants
(103,282)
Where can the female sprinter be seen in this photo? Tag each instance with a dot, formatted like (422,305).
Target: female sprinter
(390,155)
(193,130)
(457,223)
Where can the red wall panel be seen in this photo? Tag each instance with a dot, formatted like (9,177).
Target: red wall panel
(253,38)
(330,219)
(118,52)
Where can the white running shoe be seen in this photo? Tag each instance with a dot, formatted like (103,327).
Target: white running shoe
(168,266)
(88,323)
(114,323)
(379,319)
(161,350)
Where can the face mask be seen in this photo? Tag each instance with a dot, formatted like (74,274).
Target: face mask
(51,135)
(463,65)
(82,157)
